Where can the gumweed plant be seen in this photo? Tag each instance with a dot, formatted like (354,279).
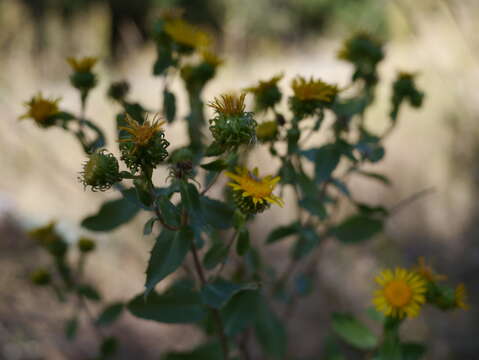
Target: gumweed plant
(217,277)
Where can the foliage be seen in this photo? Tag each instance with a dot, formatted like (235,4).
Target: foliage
(227,288)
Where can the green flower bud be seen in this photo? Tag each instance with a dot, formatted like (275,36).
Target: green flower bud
(48,238)
(86,245)
(83,81)
(41,277)
(101,171)
(118,90)
(267,131)
(266,93)
(232,126)
(404,88)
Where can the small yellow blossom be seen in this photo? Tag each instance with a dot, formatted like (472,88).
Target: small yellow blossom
(228,104)
(187,34)
(260,190)
(461,297)
(427,272)
(401,293)
(141,133)
(82,65)
(312,89)
(264,85)
(41,109)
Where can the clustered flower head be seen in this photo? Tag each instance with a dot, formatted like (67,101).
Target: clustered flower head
(100,171)
(143,144)
(311,95)
(232,126)
(82,77)
(403,292)
(251,193)
(41,110)
(186,35)
(266,93)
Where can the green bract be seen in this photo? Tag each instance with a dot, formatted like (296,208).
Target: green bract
(100,171)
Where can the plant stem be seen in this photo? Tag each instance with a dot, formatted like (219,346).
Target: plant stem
(216,314)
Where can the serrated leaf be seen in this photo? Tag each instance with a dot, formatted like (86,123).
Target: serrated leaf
(314,206)
(111,215)
(357,228)
(282,232)
(218,293)
(168,253)
(179,304)
(216,165)
(353,332)
(170,213)
(110,314)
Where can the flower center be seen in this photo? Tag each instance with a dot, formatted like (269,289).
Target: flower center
(256,188)
(143,134)
(398,293)
(41,110)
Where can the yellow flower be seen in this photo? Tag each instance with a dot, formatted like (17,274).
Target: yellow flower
(313,89)
(265,84)
(141,133)
(427,272)
(228,104)
(260,190)
(82,64)
(187,34)
(461,297)
(211,58)
(402,293)
(41,109)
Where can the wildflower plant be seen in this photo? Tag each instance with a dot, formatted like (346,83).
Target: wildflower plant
(216,274)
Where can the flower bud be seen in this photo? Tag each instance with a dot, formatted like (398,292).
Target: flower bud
(48,238)
(118,90)
(310,96)
(41,277)
(101,171)
(267,131)
(266,93)
(86,245)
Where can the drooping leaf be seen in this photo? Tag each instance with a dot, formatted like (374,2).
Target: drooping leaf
(353,332)
(307,241)
(111,215)
(89,292)
(169,212)
(168,253)
(215,165)
(218,293)
(357,228)
(110,314)
(270,331)
(216,213)
(179,304)
(148,227)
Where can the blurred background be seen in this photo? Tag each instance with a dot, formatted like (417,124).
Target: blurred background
(435,148)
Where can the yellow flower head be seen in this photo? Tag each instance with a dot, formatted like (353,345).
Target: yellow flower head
(313,89)
(401,293)
(264,85)
(82,65)
(187,34)
(228,104)
(461,297)
(427,272)
(141,134)
(211,58)
(41,109)
(260,190)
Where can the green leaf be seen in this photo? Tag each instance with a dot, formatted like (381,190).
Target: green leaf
(282,232)
(71,328)
(217,213)
(168,253)
(357,228)
(108,347)
(148,227)
(170,213)
(89,292)
(353,332)
(240,312)
(218,293)
(270,331)
(163,62)
(243,242)
(211,351)
(216,254)
(413,351)
(216,165)
(314,206)
(376,176)
(190,198)
(111,215)
(350,107)
(110,314)
(326,160)
(169,105)
(179,304)
(214,149)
